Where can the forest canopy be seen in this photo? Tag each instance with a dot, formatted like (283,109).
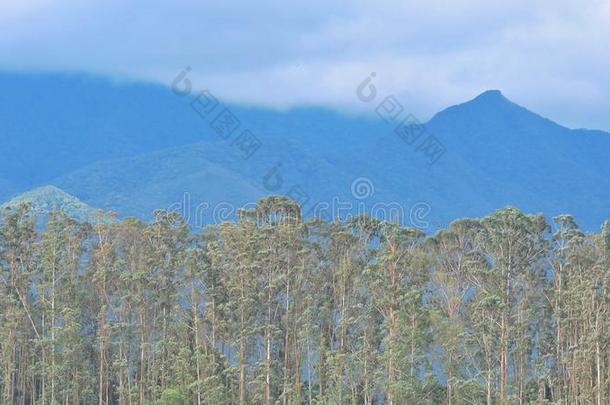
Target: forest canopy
(273,309)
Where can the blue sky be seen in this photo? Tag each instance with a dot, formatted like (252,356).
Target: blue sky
(551,56)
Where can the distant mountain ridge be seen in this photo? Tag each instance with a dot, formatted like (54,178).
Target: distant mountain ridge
(132,148)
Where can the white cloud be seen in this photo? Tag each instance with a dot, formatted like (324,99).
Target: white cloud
(549,55)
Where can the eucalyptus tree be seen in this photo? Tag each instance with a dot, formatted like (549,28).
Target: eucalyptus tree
(366,336)
(104,274)
(20,326)
(271,309)
(397,287)
(339,279)
(134,305)
(167,239)
(215,323)
(455,258)
(581,309)
(565,243)
(279,237)
(514,245)
(600,308)
(240,267)
(58,297)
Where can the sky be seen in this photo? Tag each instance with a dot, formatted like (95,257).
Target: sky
(551,56)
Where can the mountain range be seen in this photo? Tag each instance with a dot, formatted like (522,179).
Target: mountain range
(135,147)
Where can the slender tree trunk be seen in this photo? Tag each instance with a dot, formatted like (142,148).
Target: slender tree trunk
(449,384)
(142,357)
(392,334)
(286,342)
(309,388)
(267,395)
(598,361)
(53,333)
(242,350)
(503,359)
(101,358)
(121,384)
(195,316)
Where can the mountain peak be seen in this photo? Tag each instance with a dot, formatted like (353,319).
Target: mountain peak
(45,192)
(491,95)
(489,105)
(48,198)
(491,99)
(48,190)
(486,116)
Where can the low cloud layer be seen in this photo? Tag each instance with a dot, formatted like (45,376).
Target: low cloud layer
(551,56)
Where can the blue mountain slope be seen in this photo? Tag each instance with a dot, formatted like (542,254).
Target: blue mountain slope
(51,124)
(527,160)
(135,147)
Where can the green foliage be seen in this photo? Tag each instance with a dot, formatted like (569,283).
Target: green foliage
(172,396)
(270,310)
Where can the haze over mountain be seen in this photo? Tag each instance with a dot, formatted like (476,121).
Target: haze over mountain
(132,148)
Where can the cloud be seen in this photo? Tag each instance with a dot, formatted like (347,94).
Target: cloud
(549,55)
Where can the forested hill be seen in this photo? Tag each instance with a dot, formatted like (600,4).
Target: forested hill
(45,200)
(132,147)
(272,309)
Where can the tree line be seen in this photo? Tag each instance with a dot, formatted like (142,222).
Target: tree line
(273,309)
